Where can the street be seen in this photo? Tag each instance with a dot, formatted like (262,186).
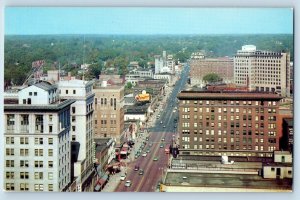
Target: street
(155,163)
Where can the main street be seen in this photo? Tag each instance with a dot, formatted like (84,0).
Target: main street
(160,134)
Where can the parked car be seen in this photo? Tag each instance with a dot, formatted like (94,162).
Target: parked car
(155,158)
(122,178)
(136,168)
(144,154)
(128,183)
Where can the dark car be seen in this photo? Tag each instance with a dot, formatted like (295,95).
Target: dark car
(141,172)
(136,168)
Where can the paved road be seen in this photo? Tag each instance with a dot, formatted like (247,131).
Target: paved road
(154,170)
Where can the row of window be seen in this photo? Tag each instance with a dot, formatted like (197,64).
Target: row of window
(25,187)
(232,147)
(25,152)
(211,102)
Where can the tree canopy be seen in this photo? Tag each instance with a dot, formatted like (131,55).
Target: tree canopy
(212,78)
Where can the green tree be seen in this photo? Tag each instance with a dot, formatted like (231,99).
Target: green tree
(128,85)
(212,78)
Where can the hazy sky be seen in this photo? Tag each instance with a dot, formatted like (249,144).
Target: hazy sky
(43,20)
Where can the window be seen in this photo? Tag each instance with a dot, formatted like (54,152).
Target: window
(73,110)
(73,128)
(50,164)
(10,140)
(74,91)
(30,93)
(10,175)
(50,152)
(50,129)
(38,187)
(39,123)
(10,163)
(10,186)
(24,186)
(35,93)
(24,163)
(10,152)
(50,141)
(50,187)
(67,91)
(38,175)
(50,175)
(24,175)
(23,140)
(38,164)
(38,152)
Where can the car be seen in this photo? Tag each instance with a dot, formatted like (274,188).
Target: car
(141,172)
(147,138)
(148,150)
(161,146)
(136,168)
(122,177)
(175,126)
(128,183)
(136,155)
(161,122)
(150,144)
(162,139)
(155,158)
(164,126)
(144,154)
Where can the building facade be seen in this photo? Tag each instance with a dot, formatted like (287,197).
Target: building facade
(223,67)
(37,141)
(262,70)
(109,111)
(81,130)
(228,123)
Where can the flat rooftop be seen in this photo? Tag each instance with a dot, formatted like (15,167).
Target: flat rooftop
(226,181)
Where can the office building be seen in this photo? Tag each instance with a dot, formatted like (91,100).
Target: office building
(81,130)
(262,70)
(37,140)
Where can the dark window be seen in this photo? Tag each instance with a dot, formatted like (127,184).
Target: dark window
(30,93)
(74,91)
(35,93)
(29,100)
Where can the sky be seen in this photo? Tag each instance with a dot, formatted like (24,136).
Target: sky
(88,20)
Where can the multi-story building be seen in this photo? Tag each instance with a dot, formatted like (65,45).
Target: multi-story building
(37,134)
(262,70)
(223,67)
(164,63)
(81,130)
(109,111)
(228,123)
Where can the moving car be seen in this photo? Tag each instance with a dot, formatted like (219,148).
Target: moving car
(155,158)
(164,126)
(128,183)
(161,146)
(144,154)
(136,168)
(141,172)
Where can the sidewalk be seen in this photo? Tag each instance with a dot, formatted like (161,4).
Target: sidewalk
(113,182)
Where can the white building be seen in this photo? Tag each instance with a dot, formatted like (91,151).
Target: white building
(165,76)
(266,71)
(37,141)
(81,128)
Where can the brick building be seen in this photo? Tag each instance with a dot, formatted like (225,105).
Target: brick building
(228,123)
(109,111)
(220,66)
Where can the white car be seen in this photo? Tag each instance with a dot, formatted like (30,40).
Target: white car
(144,154)
(128,183)
(122,178)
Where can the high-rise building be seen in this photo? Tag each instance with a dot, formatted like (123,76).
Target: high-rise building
(81,130)
(223,67)
(37,140)
(228,123)
(262,70)
(109,111)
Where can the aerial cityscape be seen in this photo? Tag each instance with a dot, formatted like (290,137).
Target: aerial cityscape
(148,100)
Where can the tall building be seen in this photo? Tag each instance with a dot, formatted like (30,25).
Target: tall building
(164,63)
(81,130)
(37,140)
(109,111)
(262,70)
(228,123)
(223,67)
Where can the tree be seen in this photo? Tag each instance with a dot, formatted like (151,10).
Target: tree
(212,78)
(128,85)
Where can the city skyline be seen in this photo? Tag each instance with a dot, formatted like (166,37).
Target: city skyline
(147,21)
